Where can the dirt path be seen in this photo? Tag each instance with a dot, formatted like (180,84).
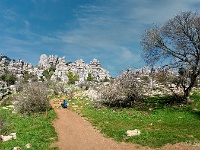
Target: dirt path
(75,133)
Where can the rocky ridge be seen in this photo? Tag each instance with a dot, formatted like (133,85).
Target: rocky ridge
(78,67)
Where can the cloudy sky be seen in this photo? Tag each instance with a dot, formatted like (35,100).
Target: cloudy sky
(108,30)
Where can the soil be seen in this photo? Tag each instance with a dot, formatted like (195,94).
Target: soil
(76,133)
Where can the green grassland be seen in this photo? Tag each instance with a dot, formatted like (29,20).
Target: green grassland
(36,129)
(158,126)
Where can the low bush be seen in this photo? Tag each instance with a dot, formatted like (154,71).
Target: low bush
(72,77)
(33,98)
(3,90)
(57,88)
(89,78)
(19,86)
(29,77)
(84,85)
(124,91)
(9,78)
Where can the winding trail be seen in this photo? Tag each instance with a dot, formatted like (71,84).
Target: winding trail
(75,133)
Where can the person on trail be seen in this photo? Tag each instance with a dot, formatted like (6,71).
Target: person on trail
(64,104)
(66,93)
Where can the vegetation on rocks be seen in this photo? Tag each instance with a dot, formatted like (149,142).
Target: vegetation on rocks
(8,77)
(89,78)
(29,77)
(49,72)
(72,77)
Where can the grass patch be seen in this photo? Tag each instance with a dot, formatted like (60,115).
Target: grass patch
(195,96)
(35,129)
(158,126)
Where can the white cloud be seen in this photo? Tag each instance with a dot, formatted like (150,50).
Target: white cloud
(156,11)
(128,55)
(9,15)
(27,24)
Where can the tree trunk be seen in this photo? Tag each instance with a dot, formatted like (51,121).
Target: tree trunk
(187,95)
(187,91)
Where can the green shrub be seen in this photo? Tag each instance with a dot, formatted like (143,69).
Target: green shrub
(68,63)
(28,76)
(47,74)
(9,78)
(52,68)
(3,90)
(89,78)
(72,77)
(3,77)
(106,79)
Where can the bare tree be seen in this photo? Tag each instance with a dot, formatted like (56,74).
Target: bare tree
(178,40)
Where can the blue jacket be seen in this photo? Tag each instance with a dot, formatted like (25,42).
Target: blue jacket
(65,103)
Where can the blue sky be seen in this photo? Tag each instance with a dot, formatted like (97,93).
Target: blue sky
(109,30)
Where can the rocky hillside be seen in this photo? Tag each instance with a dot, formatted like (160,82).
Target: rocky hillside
(49,68)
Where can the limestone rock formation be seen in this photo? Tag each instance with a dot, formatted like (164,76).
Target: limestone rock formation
(20,68)
(56,66)
(78,67)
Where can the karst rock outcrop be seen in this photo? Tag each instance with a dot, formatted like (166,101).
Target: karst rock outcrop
(20,68)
